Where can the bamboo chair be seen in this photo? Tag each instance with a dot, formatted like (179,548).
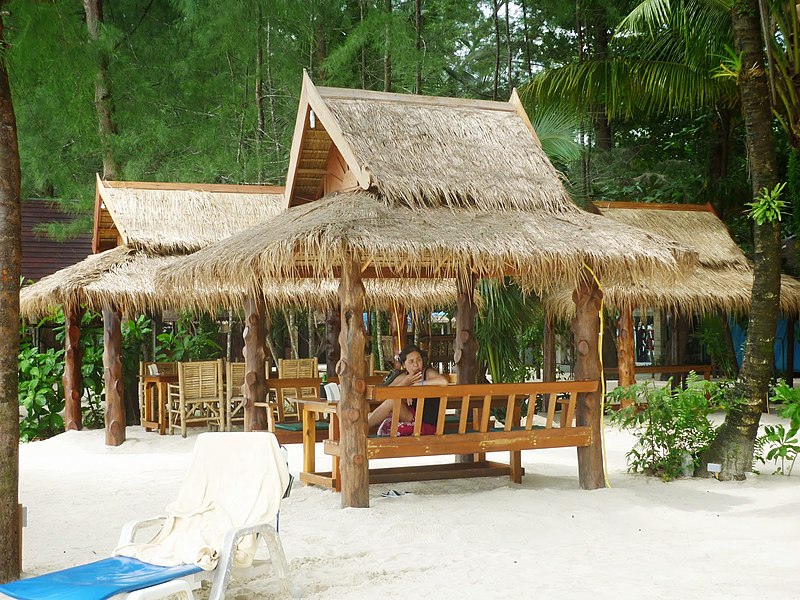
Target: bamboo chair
(163,368)
(234,392)
(198,398)
(295,369)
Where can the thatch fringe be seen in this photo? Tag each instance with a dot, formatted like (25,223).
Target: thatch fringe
(544,250)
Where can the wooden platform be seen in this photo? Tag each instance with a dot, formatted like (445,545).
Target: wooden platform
(483,468)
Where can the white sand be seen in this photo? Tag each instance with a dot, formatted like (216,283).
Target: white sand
(478,538)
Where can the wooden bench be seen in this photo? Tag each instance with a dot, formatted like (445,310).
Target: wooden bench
(683,370)
(476,433)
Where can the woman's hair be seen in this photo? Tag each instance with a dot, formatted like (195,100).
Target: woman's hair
(411,348)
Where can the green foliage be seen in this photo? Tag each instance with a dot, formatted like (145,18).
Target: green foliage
(782,447)
(731,64)
(508,323)
(711,334)
(40,392)
(674,424)
(191,339)
(767,206)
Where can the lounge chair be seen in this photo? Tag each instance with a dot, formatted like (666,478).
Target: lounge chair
(228,501)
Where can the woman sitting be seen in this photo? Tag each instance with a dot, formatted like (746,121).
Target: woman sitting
(415,372)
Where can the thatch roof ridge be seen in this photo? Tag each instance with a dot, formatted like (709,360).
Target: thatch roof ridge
(544,252)
(184,220)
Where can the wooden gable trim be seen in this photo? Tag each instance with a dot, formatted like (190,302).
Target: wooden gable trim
(97,209)
(310,99)
(372,96)
(196,187)
(516,103)
(121,237)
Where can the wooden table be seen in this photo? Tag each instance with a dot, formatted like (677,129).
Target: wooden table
(309,409)
(156,418)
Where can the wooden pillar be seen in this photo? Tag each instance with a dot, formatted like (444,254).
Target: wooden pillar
(333,327)
(112,376)
(790,352)
(465,345)
(549,349)
(397,328)
(626,357)
(255,363)
(353,409)
(586,329)
(72,378)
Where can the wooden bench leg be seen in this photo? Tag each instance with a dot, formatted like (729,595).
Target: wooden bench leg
(515,462)
(337,476)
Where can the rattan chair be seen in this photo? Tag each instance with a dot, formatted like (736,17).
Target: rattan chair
(295,369)
(198,398)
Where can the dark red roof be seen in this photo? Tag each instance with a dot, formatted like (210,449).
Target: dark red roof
(41,255)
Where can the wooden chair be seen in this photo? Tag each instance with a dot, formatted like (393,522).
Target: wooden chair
(198,398)
(302,368)
(163,368)
(234,392)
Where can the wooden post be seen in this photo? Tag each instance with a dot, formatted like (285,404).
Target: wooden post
(333,327)
(112,376)
(255,363)
(397,328)
(626,357)
(790,352)
(353,409)
(549,349)
(465,345)
(586,329)
(72,378)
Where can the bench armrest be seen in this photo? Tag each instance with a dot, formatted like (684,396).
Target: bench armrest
(130,528)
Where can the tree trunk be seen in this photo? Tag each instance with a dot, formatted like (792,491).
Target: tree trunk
(10,260)
(102,93)
(733,446)
(605,138)
(586,329)
(626,356)
(549,349)
(113,376)
(72,378)
(528,59)
(353,408)
(363,54)
(387,55)
(255,361)
(333,327)
(418,45)
(509,73)
(465,345)
(496,21)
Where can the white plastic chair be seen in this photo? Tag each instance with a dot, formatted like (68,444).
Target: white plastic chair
(332,392)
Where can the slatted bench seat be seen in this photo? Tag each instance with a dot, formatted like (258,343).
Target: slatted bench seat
(475,433)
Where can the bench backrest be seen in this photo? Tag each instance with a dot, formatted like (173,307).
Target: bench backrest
(484,397)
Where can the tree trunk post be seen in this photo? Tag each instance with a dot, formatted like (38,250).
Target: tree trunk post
(10,264)
(397,329)
(255,363)
(333,327)
(72,378)
(353,408)
(586,329)
(626,357)
(549,349)
(112,376)
(465,345)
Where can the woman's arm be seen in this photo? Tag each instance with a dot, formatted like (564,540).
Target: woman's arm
(433,377)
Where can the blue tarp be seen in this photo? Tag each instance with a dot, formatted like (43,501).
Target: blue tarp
(739,338)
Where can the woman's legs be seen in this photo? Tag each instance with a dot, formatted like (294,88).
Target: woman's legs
(377,416)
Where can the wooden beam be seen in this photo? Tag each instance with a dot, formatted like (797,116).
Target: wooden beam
(353,94)
(586,331)
(333,328)
(255,360)
(655,206)
(465,345)
(72,379)
(549,349)
(517,104)
(196,187)
(112,376)
(397,329)
(353,408)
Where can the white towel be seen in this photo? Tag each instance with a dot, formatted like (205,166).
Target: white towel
(236,479)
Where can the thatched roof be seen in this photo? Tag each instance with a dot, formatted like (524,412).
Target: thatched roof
(543,250)
(722,280)
(170,218)
(125,278)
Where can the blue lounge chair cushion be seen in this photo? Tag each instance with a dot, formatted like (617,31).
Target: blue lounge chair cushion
(297,426)
(95,581)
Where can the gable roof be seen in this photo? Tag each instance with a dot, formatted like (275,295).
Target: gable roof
(422,151)
(169,218)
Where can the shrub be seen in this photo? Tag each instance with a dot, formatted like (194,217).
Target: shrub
(40,392)
(672,428)
(781,444)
